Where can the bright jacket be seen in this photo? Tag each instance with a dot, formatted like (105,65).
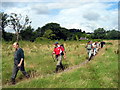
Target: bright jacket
(58,50)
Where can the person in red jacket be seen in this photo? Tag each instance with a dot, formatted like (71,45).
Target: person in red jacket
(58,50)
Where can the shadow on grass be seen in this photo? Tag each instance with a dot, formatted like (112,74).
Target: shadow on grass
(66,66)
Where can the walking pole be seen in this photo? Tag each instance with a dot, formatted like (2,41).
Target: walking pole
(53,57)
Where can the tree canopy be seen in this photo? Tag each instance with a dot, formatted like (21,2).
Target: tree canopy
(51,31)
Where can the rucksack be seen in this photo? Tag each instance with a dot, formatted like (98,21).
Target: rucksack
(89,46)
(62,46)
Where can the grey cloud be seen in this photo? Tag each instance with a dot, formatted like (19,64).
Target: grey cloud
(40,9)
(92,16)
(8,4)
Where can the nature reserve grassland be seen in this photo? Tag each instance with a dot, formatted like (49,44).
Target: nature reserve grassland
(100,72)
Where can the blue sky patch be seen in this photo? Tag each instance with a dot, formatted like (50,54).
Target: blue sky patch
(114,5)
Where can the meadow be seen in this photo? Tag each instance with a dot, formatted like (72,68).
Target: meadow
(100,72)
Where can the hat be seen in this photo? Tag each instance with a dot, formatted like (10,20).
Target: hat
(88,41)
(55,43)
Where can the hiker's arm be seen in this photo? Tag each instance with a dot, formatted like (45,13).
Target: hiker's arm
(64,54)
(63,50)
(20,62)
(53,51)
(22,57)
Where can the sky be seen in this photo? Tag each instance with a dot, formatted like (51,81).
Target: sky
(87,15)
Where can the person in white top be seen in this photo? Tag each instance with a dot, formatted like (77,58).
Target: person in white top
(94,48)
(89,48)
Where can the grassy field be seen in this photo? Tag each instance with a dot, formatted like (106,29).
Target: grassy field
(100,72)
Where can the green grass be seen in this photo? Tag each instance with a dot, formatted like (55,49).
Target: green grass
(100,72)
(38,57)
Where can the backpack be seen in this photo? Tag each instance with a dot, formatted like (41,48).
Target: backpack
(89,46)
(62,47)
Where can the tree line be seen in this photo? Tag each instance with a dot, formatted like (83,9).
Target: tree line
(50,31)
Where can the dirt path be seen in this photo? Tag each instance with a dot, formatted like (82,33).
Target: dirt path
(83,63)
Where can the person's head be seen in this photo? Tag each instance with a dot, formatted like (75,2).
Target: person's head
(56,43)
(96,42)
(15,45)
(89,42)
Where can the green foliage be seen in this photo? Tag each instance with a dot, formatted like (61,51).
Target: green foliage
(16,23)
(109,43)
(8,36)
(4,24)
(49,34)
(54,31)
(27,34)
(4,17)
(50,26)
(77,38)
(99,33)
(113,34)
(41,39)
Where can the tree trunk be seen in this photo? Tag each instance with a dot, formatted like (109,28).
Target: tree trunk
(17,34)
(3,31)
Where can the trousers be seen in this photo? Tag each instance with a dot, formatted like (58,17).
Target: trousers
(16,69)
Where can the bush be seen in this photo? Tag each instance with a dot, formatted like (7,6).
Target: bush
(39,39)
(109,43)
(42,40)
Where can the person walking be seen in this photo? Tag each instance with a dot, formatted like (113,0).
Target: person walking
(94,48)
(102,44)
(97,46)
(18,62)
(58,50)
(89,48)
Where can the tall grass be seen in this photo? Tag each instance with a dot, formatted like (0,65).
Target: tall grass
(100,72)
(38,57)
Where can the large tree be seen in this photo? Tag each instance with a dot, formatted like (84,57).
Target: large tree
(99,33)
(27,34)
(49,34)
(3,23)
(113,34)
(18,23)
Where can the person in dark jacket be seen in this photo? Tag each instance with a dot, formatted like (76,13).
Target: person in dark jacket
(18,62)
(102,44)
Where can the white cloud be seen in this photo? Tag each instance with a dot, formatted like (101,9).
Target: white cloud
(83,15)
(40,9)
(74,17)
(60,1)
(92,16)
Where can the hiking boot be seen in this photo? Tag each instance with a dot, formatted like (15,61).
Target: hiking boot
(13,81)
(27,76)
(55,71)
(62,68)
(57,67)
(89,59)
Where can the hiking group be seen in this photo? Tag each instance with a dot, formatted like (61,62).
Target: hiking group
(93,48)
(59,52)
